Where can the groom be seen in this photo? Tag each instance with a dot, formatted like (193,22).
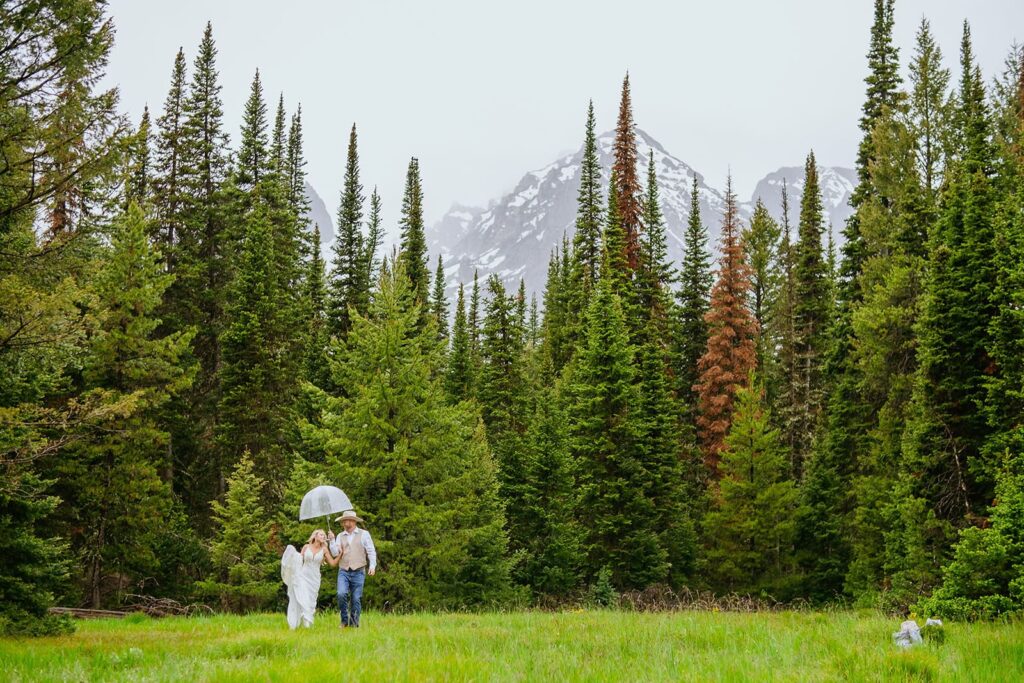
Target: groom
(358,550)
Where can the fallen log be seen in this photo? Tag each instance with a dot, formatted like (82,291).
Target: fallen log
(81,613)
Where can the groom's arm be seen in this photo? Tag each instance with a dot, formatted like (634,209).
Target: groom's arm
(371,552)
(333,546)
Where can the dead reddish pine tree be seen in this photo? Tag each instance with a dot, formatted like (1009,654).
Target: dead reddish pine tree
(731,354)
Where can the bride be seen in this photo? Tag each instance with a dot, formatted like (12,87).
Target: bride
(301,573)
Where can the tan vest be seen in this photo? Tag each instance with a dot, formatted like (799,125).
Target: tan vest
(355,554)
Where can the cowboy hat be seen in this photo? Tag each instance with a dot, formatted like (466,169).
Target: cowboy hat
(348,514)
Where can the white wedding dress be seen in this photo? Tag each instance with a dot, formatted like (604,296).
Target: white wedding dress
(301,573)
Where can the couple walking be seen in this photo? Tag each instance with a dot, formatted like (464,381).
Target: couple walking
(351,551)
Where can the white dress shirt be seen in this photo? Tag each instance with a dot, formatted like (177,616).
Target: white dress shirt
(364,536)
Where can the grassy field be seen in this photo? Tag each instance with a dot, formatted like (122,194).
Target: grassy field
(526,646)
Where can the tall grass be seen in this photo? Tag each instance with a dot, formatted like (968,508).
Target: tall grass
(521,646)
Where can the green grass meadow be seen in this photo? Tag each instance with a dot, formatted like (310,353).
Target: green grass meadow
(521,646)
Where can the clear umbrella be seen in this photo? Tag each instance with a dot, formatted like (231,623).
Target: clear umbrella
(324,501)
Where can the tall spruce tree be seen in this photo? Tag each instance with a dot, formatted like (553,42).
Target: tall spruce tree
(138,174)
(258,378)
(692,302)
(254,155)
(369,262)
(279,139)
(894,225)
(202,272)
(811,316)
(439,302)
(883,81)
(295,168)
(347,266)
(314,361)
(762,246)
(169,198)
(502,394)
(414,242)
(459,377)
(929,108)
(657,276)
(589,213)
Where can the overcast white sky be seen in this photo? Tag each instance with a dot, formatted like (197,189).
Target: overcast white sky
(483,91)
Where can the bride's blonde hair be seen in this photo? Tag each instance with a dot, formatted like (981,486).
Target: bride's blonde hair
(312,536)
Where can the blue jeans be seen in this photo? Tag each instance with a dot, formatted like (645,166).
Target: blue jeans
(350,583)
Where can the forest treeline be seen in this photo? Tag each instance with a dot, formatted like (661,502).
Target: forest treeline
(773,415)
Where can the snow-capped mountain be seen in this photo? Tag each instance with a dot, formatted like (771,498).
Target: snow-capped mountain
(836,184)
(318,215)
(516,234)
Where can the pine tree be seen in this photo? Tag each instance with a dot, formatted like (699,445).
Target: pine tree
(559,337)
(413,251)
(883,83)
(295,171)
(548,500)
(730,355)
(317,337)
(459,377)
(615,264)
(657,276)
(32,569)
(660,455)
(425,464)
(786,364)
(169,198)
(474,325)
(258,382)
(254,159)
(347,267)
(589,220)
(370,264)
(244,551)
(202,273)
(279,140)
(614,487)
(111,485)
(752,524)
(762,246)
(70,121)
(502,394)
(692,303)
(439,302)
(928,107)
(139,171)
(811,316)
(626,182)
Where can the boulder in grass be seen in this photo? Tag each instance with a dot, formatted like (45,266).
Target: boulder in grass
(908,635)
